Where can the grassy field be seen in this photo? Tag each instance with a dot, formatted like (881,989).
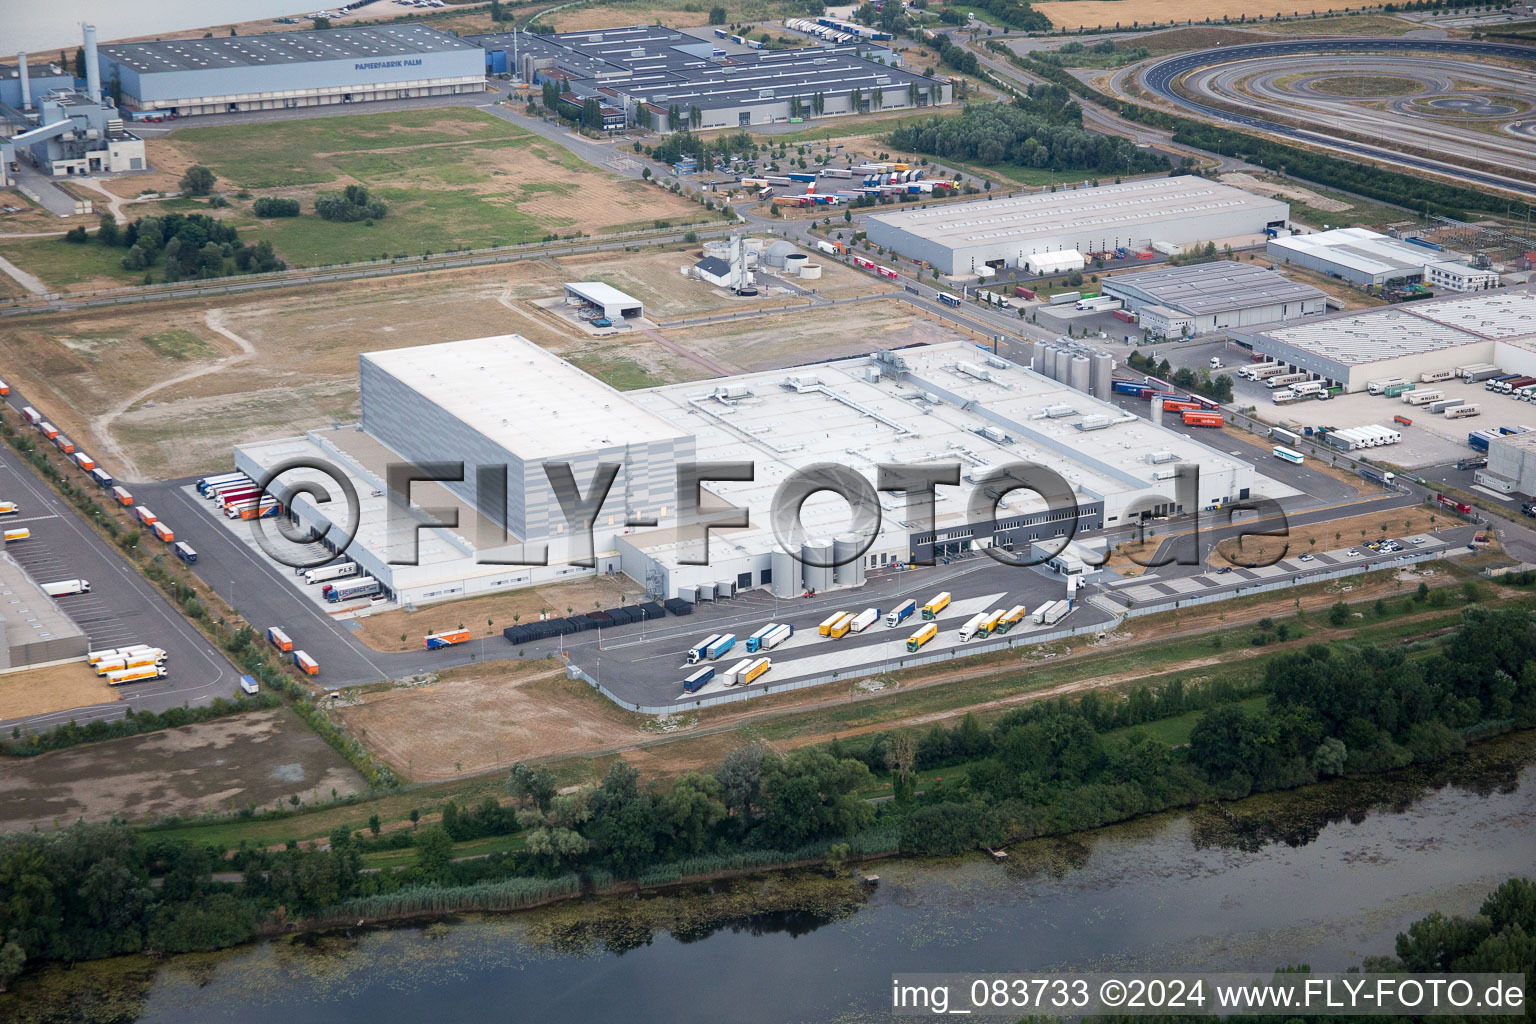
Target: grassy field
(66,265)
(304,152)
(453,178)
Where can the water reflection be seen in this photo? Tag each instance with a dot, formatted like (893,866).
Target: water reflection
(1326,876)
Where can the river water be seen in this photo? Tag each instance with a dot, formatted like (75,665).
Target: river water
(44,28)
(1324,877)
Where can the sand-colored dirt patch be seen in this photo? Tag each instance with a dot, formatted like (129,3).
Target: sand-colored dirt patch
(38,691)
(263,757)
(480,717)
(1296,192)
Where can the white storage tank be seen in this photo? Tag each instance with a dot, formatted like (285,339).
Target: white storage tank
(1103,375)
(817,555)
(1079,373)
(793,262)
(810,271)
(1063,371)
(786,574)
(850,567)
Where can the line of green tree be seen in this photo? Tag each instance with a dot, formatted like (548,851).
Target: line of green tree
(992,134)
(1198,380)
(1048,768)
(1413,191)
(183,245)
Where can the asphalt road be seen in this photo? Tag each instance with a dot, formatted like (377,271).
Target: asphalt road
(122,607)
(1159,77)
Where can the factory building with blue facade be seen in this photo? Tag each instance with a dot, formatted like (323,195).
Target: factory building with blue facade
(275,71)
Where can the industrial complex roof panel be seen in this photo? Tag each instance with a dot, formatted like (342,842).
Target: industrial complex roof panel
(525,398)
(1360,249)
(276,49)
(1219,287)
(1489,314)
(664,66)
(1052,213)
(1354,338)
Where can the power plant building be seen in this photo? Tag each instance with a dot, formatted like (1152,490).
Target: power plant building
(669,80)
(505,401)
(281,70)
(66,132)
(1182,210)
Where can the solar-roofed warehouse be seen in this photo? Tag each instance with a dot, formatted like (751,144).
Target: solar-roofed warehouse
(292,69)
(668,80)
(1006,232)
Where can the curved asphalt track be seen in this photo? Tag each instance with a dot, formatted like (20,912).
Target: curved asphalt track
(1159,78)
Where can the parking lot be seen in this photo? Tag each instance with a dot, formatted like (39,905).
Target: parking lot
(122,607)
(647,665)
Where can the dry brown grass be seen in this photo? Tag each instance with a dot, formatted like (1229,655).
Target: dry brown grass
(1072,14)
(582,19)
(1331,535)
(39,691)
(80,368)
(480,717)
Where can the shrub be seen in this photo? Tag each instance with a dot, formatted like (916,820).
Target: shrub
(268,207)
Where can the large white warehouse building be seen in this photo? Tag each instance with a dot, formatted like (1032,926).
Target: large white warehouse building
(1183,210)
(1351,348)
(505,401)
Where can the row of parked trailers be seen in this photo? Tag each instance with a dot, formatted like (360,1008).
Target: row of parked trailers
(606,619)
(105,481)
(237,496)
(136,663)
(841,624)
(1369,436)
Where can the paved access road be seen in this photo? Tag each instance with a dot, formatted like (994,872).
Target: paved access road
(122,607)
(1159,78)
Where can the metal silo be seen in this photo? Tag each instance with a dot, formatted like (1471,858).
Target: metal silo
(1103,375)
(816,555)
(1045,360)
(1078,373)
(1063,371)
(786,574)
(1157,411)
(850,560)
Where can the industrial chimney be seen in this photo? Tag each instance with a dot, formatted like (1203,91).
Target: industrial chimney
(92,70)
(26,82)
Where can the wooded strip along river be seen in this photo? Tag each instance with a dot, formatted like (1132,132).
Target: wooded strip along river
(1323,876)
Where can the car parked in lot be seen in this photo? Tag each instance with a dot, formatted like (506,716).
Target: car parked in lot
(1353,553)
(1304,558)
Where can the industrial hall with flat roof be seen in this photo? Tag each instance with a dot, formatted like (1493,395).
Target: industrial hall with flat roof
(506,402)
(652,74)
(278,70)
(1012,232)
